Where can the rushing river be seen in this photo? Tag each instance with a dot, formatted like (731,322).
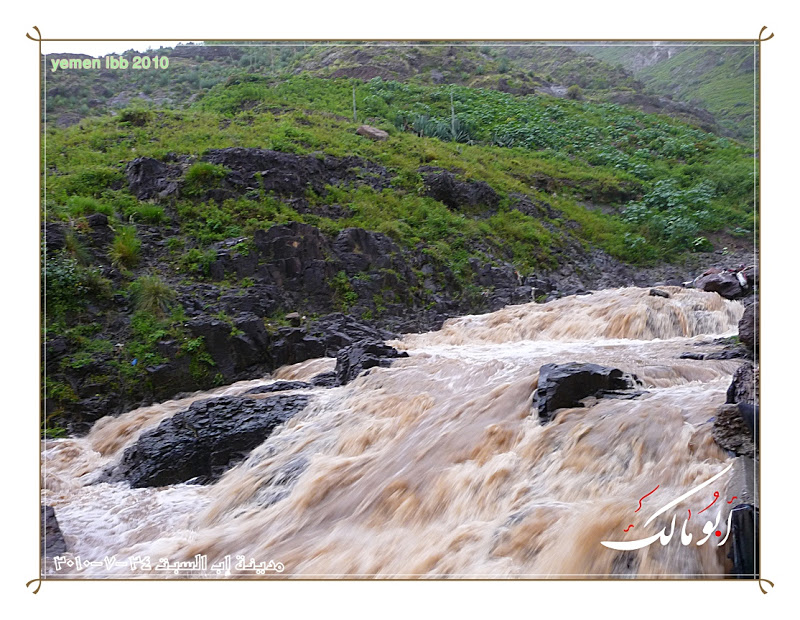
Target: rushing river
(438,466)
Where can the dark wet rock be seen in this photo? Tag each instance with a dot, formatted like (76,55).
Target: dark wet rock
(691,355)
(732,432)
(340,330)
(723,282)
(149,178)
(533,207)
(748,326)
(565,385)
(654,292)
(279,386)
(744,386)
(171,377)
(292,345)
(97,220)
(744,552)
(728,353)
(203,442)
(291,175)
(259,300)
(233,347)
(364,251)
(749,414)
(53,542)
(444,187)
(353,360)
(54,236)
(56,348)
(324,379)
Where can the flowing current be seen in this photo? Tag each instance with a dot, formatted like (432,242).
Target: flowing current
(438,466)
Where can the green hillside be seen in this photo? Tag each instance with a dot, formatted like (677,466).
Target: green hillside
(717,78)
(255,199)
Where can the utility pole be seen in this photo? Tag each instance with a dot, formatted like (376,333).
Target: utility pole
(452,117)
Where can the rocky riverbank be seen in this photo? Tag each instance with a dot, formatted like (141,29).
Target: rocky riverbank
(289,293)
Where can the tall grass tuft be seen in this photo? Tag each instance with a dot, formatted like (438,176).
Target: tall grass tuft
(152,295)
(75,248)
(126,247)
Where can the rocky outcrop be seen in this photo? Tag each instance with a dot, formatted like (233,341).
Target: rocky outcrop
(748,326)
(53,543)
(203,442)
(744,386)
(233,346)
(373,133)
(731,430)
(566,385)
(729,283)
(279,386)
(716,281)
(149,178)
(444,187)
(353,360)
(736,420)
(292,175)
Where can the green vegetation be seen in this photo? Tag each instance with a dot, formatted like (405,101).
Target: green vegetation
(201,177)
(645,188)
(717,78)
(152,295)
(343,289)
(125,248)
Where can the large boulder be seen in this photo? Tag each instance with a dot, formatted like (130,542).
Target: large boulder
(744,386)
(736,420)
(149,178)
(748,326)
(733,429)
(373,133)
(206,440)
(723,282)
(565,385)
(233,346)
(353,360)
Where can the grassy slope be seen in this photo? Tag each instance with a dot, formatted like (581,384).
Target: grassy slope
(719,79)
(566,154)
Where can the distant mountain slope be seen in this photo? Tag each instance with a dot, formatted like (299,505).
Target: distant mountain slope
(516,68)
(716,77)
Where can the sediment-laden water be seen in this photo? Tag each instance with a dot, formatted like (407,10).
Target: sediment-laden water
(438,466)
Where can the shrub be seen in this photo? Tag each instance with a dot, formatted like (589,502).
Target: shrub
(136,116)
(575,92)
(126,247)
(198,261)
(64,286)
(151,294)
